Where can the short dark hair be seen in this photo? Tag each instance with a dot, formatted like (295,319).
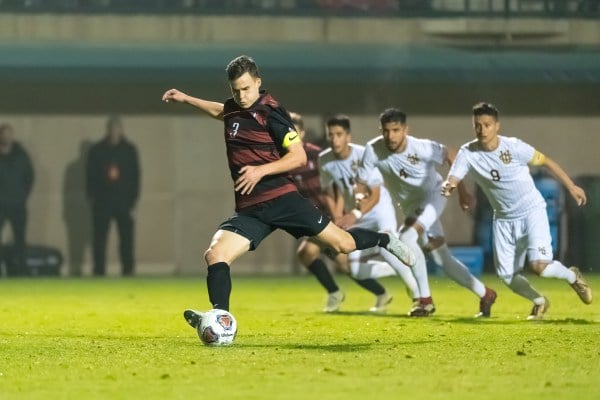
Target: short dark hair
(339,120)
(392,115)
(483,108)
(239,66)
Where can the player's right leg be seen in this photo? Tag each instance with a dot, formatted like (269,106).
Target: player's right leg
(423,306)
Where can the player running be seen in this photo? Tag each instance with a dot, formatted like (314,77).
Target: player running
(408,165)
(309,251)
(500,166)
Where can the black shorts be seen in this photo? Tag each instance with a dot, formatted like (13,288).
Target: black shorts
(291,212)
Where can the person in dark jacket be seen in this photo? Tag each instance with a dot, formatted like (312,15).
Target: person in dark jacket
(113,187)
(16,181)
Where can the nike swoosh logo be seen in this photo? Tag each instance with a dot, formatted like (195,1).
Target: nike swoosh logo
(320,220)
(293,137)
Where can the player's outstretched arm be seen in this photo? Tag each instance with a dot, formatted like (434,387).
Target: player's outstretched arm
(576,192)
(212,108)
(466,200)
(449,185)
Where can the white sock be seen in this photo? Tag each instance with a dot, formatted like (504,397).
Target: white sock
(419,270)
(520,285)
(557,270)
(457,271)
(373,269)
(404,271)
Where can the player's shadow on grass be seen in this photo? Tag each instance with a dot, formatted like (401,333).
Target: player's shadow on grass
(334,348)
(499,321)
(369,314)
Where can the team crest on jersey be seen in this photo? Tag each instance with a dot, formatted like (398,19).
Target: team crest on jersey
(505,157)
(413,159)
(354,165)
(542,250)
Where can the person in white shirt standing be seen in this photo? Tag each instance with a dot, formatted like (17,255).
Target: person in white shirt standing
(500,166)
(408,166)
(338,166)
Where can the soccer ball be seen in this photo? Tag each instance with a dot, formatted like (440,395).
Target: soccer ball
(217,328)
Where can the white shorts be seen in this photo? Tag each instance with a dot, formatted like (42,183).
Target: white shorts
(381,218)
(428,213)
(516,238)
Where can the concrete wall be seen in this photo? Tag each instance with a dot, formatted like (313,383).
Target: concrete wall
(186,189)
(199,29)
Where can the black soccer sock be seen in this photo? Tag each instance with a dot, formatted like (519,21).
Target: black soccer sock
(371,285)
(365,239)
(323,275)
(218,282)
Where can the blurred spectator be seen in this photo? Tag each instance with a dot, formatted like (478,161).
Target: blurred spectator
(76,210)
(16,181)
(113,187)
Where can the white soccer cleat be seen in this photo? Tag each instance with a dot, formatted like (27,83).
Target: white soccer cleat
(381,303)
(538,310)
(401,250)
(581,287)
(334,301)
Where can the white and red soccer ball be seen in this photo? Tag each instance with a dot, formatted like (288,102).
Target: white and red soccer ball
(217,328)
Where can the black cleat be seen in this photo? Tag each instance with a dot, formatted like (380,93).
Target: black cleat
(192,317)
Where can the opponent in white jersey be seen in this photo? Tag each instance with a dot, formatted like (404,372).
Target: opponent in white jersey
(337,170)
(500,166)
(408,166)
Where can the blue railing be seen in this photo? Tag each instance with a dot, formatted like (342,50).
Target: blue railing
(388,8)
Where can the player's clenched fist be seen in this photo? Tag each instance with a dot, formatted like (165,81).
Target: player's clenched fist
(174,95)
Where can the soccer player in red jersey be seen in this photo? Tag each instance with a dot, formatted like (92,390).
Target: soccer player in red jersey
(262,147)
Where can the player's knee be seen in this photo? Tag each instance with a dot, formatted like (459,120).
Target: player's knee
(307,254)
(538,266)
(506,278)
(212,256)
(346,244)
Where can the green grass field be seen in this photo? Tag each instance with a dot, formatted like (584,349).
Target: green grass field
(126,339)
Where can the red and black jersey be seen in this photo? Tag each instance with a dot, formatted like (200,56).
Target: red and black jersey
(307,177)
(254,136)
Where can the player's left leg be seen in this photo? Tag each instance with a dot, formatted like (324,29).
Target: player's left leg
(510,246)
(541,257)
